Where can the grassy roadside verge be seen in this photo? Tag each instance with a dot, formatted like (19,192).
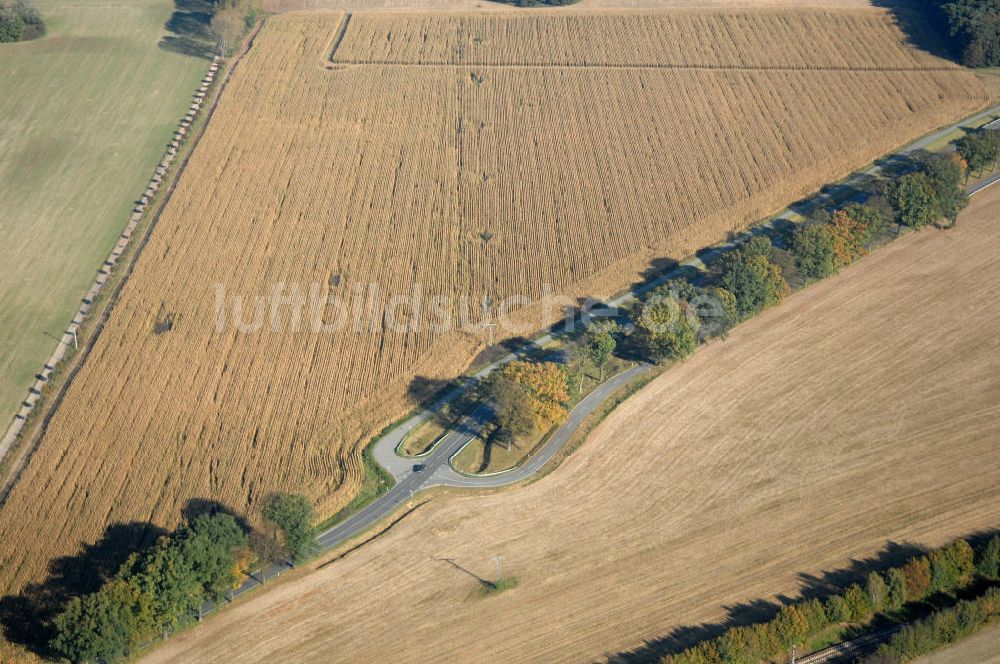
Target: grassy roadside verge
(377,481)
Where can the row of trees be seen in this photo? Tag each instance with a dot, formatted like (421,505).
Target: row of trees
(931,193)
(821,249)
(674,318)
(156,592)
(19,20)
(979,150)
(945,570)
(163,589)
(939,629)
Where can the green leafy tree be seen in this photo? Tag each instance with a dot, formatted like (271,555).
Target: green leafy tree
(601,344)
(870,216)
(988,559)
(876,591)
(945,174)
(912,197)
(716,310)
(815,615)
(294,515)
(791,625)
(11,24)
(681,289)
(975,30)
(166,576)
(753,279)
(758,245)
(512,409)
(951,566)
(836,609)
(208,543)
(856,601)
(972,149)
(812,247)
(663,329)
(895,594)
(103,626)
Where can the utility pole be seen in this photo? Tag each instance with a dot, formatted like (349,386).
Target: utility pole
(75,342)
(487,310)
(793,653)
(498,558)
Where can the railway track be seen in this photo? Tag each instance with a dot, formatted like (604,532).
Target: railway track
(849,651)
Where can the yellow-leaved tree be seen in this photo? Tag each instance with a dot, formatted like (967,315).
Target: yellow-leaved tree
(546,385)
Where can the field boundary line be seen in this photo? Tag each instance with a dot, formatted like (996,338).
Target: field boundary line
(14,472)
(639,65)
(338,37)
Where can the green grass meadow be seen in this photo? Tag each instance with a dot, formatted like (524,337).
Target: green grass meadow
(85,115)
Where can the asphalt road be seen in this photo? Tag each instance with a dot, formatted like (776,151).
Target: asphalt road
(435,468)
(978,187)
(408,480)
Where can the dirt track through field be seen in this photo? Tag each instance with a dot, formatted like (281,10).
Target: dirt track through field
(862,411)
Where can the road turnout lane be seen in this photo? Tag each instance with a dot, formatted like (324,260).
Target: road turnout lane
(434,468)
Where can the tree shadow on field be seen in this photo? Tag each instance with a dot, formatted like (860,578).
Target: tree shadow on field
(196,507)
(814,586)
(432,395)
(917,19)
(27,618)
(481,580)
(189,29)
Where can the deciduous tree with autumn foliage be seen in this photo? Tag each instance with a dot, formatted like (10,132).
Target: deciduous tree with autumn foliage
(849,238)
(546,387)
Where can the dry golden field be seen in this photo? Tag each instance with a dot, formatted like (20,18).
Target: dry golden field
(862,410)
(582,5)
(337,176)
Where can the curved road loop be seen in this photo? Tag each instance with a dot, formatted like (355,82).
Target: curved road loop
(415,474)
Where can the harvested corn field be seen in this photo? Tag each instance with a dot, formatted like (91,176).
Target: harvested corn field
(360,182)
(770,40)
